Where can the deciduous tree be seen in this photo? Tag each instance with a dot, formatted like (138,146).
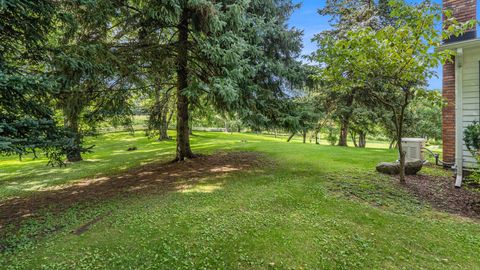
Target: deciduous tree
(390,65)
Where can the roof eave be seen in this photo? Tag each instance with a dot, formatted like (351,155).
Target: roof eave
(461,44)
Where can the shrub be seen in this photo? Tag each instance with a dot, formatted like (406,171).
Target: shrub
(471,136)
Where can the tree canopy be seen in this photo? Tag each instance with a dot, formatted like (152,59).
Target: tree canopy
(389,66)
(26,113)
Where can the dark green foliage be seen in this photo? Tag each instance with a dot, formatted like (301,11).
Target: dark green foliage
(95,75)
(425,115)
(198,46)
(273,73)
(362,123)
(161,112)
(332,138)
(233,56)
(472,138)
(423,118)
(24,25)
(278,73)
(238,58)
(301,117)
(26,117)
(347,15)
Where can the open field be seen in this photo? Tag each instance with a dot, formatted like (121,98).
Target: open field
(294,206)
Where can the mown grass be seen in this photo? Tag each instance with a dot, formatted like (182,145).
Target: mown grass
(311,207)
(109,156)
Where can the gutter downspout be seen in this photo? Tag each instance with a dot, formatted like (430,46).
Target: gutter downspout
(459,116)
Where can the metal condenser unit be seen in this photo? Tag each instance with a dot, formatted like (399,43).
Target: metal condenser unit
(413,148)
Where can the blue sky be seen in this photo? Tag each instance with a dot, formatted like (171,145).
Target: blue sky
(307,19)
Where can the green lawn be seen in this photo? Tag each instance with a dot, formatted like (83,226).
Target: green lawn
(312,207)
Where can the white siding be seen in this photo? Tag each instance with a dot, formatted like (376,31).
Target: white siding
(471,95)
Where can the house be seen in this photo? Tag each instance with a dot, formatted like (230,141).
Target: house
(460,88)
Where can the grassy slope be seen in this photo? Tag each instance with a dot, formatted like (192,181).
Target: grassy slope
(314,207)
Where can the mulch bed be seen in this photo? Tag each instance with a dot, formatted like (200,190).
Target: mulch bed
(151,178)
(441,193)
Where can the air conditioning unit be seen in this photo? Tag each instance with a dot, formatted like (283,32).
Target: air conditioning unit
(413,148)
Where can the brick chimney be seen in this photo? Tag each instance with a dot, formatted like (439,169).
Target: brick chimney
(463,11)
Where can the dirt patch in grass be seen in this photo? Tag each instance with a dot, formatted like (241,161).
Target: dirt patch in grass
(151,178)
(441,193)
(85,227)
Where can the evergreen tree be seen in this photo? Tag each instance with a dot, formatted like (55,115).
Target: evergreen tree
(238,57)
(232,55)
(274,74)
(26,117)
(302,118)
(91,67)
(200,39)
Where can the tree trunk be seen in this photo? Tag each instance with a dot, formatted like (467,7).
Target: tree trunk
(399,129)
(317,139)
(362,139)
(345,121)
(163,132)
(342,141)
(392,144)
(304,134)
(71,123)
(291,136)
(165,119)
(190,127)
(169,120)
(183,131)
(402,159)
(354,138)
